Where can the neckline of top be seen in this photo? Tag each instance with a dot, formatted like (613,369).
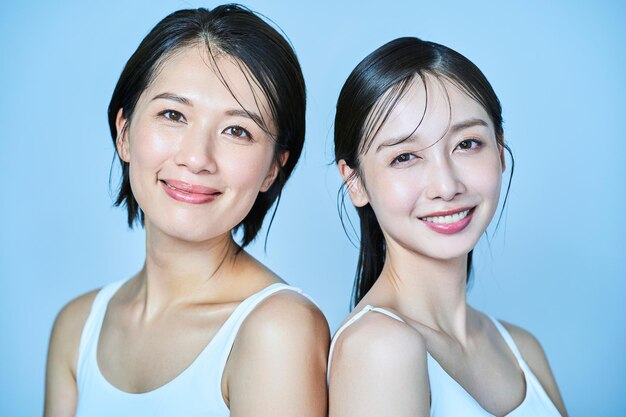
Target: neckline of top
(504,334)
(233,316)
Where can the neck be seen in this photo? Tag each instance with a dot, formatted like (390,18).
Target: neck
(430,291)
(176,270)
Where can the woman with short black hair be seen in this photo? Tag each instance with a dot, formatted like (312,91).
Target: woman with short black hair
(208,122)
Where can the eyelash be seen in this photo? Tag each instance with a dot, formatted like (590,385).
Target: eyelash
(407,157)
(169,113)
(245,133)
(478,144)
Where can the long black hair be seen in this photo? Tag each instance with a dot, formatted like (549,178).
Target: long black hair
(236,31)
(365,102)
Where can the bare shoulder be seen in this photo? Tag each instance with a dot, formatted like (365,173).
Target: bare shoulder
(61,393)
(277,365)
(379,368)
(69,322)
(527,343)
(530,348)
(285,314)
(80,305)
(536,358)
(378,337)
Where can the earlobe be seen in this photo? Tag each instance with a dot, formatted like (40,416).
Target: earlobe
(121,141)
(354,184)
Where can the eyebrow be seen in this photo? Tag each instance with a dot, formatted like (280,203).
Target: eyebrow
(455,128)
(247,114)
(173,97)
(467,124)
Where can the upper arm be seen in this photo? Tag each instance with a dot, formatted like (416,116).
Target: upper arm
(61,391)
(379,368)
(278,363)
(537,360)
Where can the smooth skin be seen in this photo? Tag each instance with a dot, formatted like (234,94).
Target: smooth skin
(188,127)
(451,161)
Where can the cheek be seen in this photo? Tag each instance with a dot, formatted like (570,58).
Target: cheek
(149,149)
(486,177)
(394,191)
(246,168)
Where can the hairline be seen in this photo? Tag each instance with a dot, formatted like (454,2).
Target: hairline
(214,50)
(440,76)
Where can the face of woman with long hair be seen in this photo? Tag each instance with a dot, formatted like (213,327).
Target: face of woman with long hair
(432,172)
(197,155)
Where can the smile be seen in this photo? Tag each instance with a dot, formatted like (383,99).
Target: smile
(188,193)
(453,218)
(449,223)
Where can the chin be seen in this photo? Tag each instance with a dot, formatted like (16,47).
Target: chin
(188,230)
(451,256)
(446,253)
(443,249)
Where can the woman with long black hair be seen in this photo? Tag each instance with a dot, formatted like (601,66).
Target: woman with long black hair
(420,145)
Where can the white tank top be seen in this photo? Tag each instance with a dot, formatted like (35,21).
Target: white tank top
(449,398)
(195,392)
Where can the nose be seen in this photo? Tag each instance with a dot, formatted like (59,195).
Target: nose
(196,151)
(443,180)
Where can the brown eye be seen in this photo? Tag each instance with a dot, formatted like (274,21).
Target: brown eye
(469,144)
(403,158)
(174,116)
(238,132)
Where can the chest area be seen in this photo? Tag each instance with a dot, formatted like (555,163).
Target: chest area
(139,356)
(486,381)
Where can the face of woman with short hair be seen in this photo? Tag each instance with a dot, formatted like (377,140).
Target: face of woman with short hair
(434,186)
(197,159)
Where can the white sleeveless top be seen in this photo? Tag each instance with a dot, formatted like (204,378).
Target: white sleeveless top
(195,392)
(449,398)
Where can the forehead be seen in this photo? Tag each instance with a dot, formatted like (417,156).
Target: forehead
(427,107)
(211,79)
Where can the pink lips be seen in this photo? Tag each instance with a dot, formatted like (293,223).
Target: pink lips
(189,193)
(449,228)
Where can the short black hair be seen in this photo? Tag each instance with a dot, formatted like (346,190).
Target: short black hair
(236,31)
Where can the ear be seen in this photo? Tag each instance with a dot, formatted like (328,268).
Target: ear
(354,184)
(273,172)
(121,141)
(502,156)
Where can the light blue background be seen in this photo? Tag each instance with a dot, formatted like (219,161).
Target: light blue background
(556,266)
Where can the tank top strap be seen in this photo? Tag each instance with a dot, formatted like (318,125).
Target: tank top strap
(386,313)
(509,341)
(93,324)
(347,324)
(235,321)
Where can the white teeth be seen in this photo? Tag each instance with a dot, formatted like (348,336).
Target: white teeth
(452,218)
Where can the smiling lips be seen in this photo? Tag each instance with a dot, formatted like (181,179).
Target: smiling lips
(449,222)
(189,193)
